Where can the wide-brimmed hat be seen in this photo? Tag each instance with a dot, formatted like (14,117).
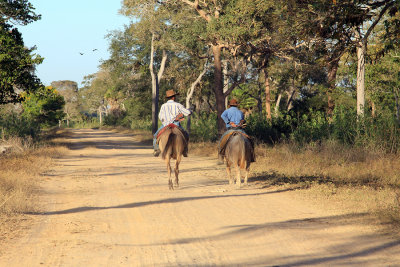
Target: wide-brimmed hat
(170,93)
(233,102)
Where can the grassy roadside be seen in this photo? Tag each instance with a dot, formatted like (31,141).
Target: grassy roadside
(334,176)
(19,177)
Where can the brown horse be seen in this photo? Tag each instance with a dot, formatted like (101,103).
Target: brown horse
(239,153)
(172,142)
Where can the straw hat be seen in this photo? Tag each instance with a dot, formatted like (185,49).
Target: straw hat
(170,93)
(233,102)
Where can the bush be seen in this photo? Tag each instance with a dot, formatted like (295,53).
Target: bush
(203,127)
(344,126)
(13,125)
(270,132)
(141,125)
(311,127)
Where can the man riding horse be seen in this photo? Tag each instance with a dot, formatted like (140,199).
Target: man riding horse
(171,112)
(234,122)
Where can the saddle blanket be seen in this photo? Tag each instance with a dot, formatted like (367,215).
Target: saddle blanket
(171,126)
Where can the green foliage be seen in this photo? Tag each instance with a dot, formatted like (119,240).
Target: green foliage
(344,125)
(310,128)
(273,131)
(17,62)
(141,124)
(44,107)
(13,124)
(203,127)
(115,119)
(16,65)
(18,11)
(380,133)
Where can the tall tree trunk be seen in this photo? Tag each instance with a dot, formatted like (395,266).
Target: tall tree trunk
(361,51)
(362,42)
(154,91)
(190,94)
(218,87)
(267,96)
(278,102)
(101,115)
(291,93)
(226,80)
(332,71)
(396,96)
(259,99)
(155,81)
(373,109)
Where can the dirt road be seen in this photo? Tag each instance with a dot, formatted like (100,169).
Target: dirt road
(106,203)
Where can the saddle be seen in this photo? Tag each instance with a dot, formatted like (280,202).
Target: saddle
(171,126)
(227,137)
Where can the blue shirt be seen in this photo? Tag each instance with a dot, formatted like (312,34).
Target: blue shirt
(232,114)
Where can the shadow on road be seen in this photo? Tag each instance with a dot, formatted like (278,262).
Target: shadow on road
(146,203)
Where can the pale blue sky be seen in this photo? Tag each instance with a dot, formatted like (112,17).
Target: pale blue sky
(68,28)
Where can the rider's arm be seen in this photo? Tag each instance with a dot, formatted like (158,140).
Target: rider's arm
(161,114)
(224,117)
(184,110)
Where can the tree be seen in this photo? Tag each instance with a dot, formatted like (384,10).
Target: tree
(224,26)
(151,24)
(375,10)
(17,63)
(44,106)
(69,90)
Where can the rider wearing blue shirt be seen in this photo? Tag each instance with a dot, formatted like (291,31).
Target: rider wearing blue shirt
(232,116)
(233,119)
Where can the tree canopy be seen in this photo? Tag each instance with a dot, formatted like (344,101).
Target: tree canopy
(17,62)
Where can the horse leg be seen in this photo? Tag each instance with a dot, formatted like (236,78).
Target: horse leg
(247,172)
(238,178)
(228,171)
(168,160)
(178,160)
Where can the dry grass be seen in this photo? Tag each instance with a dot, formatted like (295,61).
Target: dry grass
(19,175)
(350,179)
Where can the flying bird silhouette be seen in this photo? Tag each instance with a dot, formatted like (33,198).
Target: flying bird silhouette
(94,49)
(81,53)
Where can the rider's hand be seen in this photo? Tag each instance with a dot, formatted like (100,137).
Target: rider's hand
(233,124)
(179,117)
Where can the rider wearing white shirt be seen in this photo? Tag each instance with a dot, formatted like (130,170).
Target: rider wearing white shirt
(170,112)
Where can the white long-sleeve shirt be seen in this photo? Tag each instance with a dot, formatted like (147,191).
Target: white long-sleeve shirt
(170,110)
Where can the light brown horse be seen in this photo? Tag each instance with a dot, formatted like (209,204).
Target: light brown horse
(239,153)
(172,142)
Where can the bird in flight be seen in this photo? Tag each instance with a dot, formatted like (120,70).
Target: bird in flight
(81,53)
(94,49)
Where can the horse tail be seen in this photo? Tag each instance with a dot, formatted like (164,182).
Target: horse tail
(242,156)
(168,145)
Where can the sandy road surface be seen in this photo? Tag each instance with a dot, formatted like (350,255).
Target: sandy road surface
(106,203)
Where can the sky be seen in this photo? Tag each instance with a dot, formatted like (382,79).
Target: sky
(68,28)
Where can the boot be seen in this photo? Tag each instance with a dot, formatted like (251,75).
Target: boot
(185,151)
(156,152)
